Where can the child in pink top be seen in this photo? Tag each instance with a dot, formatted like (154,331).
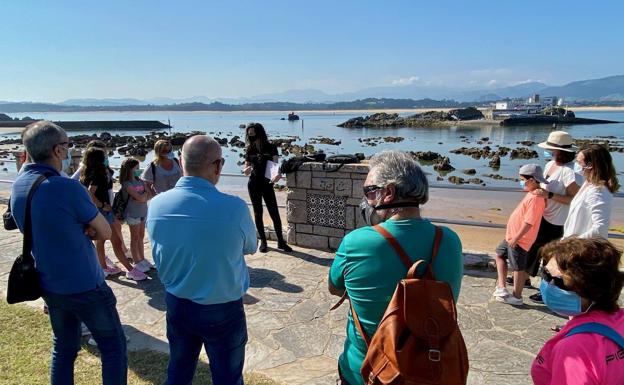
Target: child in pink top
(582,280)
(521,233)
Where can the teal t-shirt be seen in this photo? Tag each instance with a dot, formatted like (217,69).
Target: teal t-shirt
(369,269)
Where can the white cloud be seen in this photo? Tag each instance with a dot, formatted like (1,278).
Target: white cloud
(517,83)
(492,82)
(405,81)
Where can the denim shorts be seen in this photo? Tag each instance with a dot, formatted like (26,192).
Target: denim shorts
(134,221)
(517,256)
(108,215)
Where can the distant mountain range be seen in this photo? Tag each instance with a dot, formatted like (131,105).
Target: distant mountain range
(606,90)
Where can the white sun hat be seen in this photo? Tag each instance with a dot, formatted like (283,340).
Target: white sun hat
(559,140)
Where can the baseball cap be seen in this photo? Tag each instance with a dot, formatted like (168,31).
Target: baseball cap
(533,170)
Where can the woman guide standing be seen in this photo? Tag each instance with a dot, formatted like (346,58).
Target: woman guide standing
(257,153)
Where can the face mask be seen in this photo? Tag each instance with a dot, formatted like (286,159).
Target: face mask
(137,173)
(66,162)
(523,184)
(370,215)
(252,138)
(106,162)
(548,154)
(170,155)
(563,302)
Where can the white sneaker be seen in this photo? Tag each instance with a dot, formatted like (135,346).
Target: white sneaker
(500,292)
(136,274)
(142,267)
(145,266)
(109,262)
(110,271)
(511,300)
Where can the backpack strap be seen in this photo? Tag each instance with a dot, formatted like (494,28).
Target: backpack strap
(356,319)
(28,237)
(405,258)
(598,328)
(395,245)
(153,167)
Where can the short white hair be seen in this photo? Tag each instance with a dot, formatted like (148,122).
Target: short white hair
(401,170)
(40,137)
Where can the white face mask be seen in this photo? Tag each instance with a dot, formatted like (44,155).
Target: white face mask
(65,163)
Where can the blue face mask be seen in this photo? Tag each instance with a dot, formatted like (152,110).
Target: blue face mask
(548,154)
(523,184)
(106,162)
(171,155)
(578,169)
(563,302)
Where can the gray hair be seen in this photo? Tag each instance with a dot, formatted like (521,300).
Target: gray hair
(198,152)
(40,137)
(401,170)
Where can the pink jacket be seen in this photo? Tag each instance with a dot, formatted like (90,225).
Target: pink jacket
(582,359)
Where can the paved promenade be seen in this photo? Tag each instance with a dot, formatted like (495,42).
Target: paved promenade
(296,340)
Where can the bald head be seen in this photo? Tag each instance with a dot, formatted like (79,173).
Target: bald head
(199,154)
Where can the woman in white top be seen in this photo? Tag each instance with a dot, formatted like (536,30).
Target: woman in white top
(164,171)
(563,184)
(590,210)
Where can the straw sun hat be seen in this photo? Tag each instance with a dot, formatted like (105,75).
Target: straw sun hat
(559,140)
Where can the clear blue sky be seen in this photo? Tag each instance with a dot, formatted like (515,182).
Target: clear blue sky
(55,50)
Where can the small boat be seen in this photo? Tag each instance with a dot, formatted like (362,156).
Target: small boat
(242,126)
(292,116)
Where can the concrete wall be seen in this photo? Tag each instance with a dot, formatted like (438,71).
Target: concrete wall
(322,205)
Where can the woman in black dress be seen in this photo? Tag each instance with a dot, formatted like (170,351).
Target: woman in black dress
(257,153)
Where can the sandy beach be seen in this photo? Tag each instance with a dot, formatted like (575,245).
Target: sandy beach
(10,130)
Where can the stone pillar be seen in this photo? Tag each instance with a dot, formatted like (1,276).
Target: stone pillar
(322,203)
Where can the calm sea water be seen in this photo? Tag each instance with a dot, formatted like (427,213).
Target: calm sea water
(323,124)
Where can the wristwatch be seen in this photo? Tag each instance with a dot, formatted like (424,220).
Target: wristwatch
(550,195)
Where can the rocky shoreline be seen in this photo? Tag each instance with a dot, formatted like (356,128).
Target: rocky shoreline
(469,115)
(425,119)
(482,148)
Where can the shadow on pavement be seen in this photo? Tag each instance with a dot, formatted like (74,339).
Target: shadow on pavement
(268,278)
(148,358)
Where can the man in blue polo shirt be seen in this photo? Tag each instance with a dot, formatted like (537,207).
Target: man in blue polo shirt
(64,222)
(199,236)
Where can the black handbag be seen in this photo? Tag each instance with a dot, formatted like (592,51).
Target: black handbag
(23,282)
(7,218)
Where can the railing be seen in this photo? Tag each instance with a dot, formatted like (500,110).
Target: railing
(438,220)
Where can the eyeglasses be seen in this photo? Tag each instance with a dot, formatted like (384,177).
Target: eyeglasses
(369,189)
(221,160)
(66,144)
(557,281)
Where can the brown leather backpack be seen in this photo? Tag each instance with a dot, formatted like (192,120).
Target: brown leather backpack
(418,340)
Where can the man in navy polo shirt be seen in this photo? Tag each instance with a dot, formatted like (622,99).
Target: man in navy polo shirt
(199,236)
(64,222)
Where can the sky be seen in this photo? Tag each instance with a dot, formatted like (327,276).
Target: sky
(56,50)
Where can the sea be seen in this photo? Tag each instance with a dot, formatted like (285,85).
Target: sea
(313,125)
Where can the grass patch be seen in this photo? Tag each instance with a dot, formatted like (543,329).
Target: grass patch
(617,229)
(26,343)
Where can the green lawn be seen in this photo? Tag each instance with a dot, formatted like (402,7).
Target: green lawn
(26,342)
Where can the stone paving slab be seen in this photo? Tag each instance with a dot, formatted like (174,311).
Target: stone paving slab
(295,339)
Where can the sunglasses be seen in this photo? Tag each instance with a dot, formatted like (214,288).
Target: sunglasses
(557,281)
(369,189)
(222,160)
(67,144)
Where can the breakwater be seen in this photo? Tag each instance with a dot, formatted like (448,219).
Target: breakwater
(97,125)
